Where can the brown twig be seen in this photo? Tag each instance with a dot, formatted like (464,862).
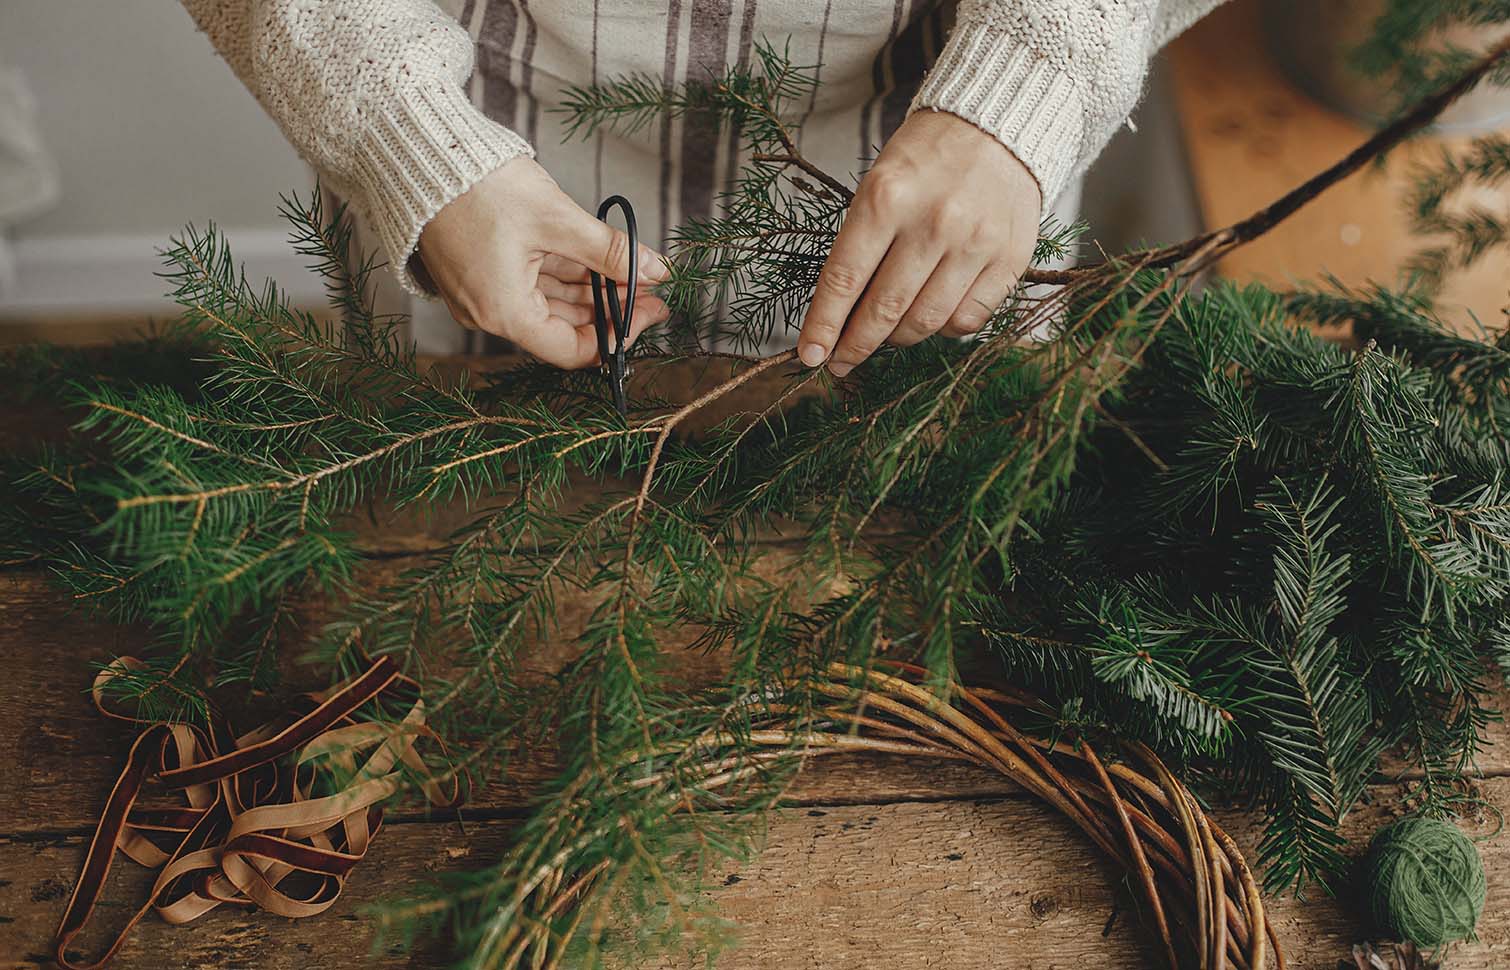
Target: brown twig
(1258,223)
(669,424)
(1271,215)
(793,157)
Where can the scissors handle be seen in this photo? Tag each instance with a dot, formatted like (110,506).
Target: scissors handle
(619,315)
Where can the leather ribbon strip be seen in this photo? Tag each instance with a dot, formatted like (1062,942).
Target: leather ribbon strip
(273,802)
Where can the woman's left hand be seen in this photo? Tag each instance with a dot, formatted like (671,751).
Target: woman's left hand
(938,232)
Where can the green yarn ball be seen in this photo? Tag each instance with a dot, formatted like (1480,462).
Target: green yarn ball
(1426,882)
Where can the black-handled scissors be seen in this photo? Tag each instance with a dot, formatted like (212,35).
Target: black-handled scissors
(615,367)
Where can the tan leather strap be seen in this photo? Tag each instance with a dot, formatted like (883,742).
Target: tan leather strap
(252,817)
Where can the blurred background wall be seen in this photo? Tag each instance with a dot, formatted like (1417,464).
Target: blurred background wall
(148,131)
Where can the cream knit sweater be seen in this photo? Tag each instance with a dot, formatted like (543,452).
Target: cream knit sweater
(373,93)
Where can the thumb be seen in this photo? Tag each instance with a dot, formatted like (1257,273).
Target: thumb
(603,249)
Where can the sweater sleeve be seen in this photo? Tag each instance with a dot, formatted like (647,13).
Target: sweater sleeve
(1052,79)
(370,92)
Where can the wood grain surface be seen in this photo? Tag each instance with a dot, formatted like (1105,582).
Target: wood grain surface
(884,863)
(961,882)
(880,862)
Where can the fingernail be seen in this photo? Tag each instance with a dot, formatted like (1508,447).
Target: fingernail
(840,369)
(812,354)
(654,268)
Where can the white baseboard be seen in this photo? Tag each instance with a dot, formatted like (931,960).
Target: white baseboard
(117,274)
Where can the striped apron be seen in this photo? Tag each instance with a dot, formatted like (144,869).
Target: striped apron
(869,55)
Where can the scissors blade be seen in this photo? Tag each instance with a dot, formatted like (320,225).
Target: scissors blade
(619,377)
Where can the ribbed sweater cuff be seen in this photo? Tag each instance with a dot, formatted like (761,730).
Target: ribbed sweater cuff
(424,147)
(1013,94)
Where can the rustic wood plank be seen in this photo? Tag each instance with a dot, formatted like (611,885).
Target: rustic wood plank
(1005,883)
(888,862)
(963,884)
(58,756)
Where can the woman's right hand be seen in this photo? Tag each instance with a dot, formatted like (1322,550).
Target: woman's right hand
(512,254)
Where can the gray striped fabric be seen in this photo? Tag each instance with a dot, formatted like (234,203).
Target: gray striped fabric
(873,55)
(870,55)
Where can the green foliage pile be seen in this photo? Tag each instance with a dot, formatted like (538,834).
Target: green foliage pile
(1279,557)
(1183,519)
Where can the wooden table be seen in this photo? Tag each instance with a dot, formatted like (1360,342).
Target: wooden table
(878,863)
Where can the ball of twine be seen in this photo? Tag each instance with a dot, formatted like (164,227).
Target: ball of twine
(1426,882)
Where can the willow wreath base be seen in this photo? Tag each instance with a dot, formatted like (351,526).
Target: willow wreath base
(1197,892)
(1195,889)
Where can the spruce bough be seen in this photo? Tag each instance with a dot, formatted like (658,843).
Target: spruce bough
(1183,519)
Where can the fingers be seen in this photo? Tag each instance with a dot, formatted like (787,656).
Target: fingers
(597,246)
(566,338)
(938,301)
(981,302)
(554,321)
(516,309)
(569,271)
(861,245)
(573,302)
(563,269)
(581,293)
(573,313)
(647,312)
(637,326)
(886,302)
(511,299)
(508,313)
(943,201)
(581,315)
(511,257)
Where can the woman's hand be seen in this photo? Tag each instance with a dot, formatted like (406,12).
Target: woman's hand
(937,235)
(511,257)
